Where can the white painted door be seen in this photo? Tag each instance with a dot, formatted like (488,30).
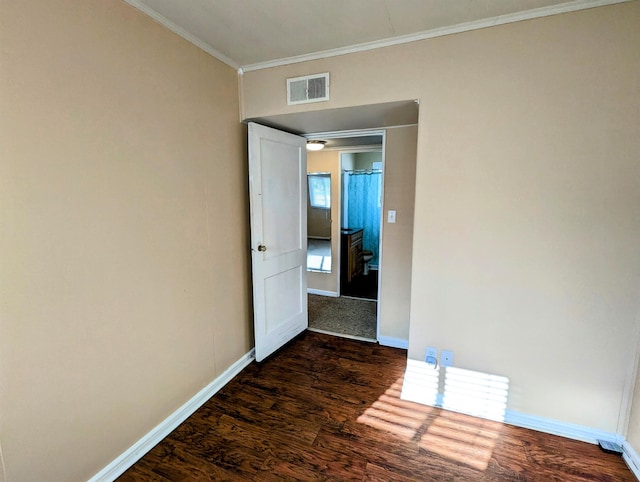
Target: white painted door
(278,198)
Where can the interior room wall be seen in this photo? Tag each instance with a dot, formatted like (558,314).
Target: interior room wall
(525,260)
(124,245)
(397,239)
(348,160)
(328,161)
(365,160)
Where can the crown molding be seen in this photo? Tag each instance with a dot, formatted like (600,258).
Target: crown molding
(162,20)
(567,7)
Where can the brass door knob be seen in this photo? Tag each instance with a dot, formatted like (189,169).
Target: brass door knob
(262,248)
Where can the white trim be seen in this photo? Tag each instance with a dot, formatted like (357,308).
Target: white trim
(332,294)
(381,235)
(632,459)
(556,427)
(175,28)
(379,131)
(393,342)
(342,335)
(241,92)
(356,149)
(370,300)
(626,401)
(118,466)
(438,32)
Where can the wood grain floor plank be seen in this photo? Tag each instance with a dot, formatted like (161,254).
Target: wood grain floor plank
(328,408)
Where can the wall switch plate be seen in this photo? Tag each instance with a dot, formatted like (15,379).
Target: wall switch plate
(446,358)
(391,216)
(431,358)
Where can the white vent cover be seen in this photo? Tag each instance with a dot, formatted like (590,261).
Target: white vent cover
(310,88)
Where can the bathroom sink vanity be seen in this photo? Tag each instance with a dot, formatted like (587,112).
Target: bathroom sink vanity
(351,261)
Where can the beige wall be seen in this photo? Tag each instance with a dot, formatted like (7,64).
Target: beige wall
(123,204)
(365,160)
(328,161)
(525,259)
(397,239)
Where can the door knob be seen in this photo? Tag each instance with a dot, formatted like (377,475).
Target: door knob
(262,248)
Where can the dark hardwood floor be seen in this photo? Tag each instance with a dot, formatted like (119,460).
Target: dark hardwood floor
(328,408)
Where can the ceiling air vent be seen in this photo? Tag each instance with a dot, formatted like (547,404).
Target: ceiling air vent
(310,88)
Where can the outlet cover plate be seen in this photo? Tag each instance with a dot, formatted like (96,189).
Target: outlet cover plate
(446,358)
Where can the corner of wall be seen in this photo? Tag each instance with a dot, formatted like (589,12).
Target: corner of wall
(631,458)
(240,93)
(631,380)
(118,466)
(3,473)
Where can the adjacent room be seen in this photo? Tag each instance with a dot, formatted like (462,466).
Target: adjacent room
(345,201)
(504,273)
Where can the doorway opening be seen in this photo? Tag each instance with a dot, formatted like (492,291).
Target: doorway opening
(399,120)
(343,300)
(360,227)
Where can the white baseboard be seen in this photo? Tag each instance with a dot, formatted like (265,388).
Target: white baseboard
(146,443)
(556,427)
(550,426)
(393,342)
(312,291)
(632,459)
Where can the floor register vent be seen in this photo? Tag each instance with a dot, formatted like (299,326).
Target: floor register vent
(610,447)
(310,88)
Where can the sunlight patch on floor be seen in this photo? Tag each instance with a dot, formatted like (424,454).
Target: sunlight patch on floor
(391,414)
(319,263)
(461,438)
(406,410)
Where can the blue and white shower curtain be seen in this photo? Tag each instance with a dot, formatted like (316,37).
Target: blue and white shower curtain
(364,190)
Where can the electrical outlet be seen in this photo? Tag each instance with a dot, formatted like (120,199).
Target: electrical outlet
(431,358)
(446,358)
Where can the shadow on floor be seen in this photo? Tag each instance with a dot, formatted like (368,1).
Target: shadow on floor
(363,286)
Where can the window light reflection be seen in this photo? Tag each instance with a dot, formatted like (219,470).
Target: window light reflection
(466,440)
(475,393)
(420,383)
(320,263)
(466,432)
(392,414)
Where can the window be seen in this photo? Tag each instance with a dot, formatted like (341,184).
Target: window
(320,191)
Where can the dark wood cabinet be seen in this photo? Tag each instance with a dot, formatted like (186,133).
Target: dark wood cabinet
(351,264)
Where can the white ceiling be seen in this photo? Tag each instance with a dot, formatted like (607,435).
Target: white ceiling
(261,33)
(373,116)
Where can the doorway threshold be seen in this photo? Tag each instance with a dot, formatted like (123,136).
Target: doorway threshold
(358,298)
(342,335)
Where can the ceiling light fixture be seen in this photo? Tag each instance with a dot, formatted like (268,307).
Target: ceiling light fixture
(315,145)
